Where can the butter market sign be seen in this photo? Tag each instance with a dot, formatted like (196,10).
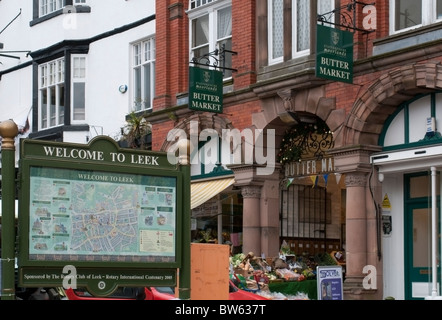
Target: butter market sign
(205,90)
(334,58)
(309,167)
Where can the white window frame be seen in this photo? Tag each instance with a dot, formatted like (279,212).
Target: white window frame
(273,60)
(429,16)
(79,76)
(294,50)
(46,7)
(212,11)
(146,57)
(51,77)
(193,4)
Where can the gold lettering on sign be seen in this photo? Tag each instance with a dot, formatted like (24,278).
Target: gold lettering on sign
(309,167)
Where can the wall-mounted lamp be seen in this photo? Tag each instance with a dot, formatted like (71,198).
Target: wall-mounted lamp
(381,177)
(122,88)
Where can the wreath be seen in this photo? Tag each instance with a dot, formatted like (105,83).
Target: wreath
(295,141)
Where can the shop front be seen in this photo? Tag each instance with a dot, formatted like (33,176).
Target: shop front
(409,170)
(312,197)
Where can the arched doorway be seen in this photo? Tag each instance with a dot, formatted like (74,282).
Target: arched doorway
(312,199)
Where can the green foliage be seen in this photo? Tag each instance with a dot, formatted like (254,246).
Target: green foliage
(135,131)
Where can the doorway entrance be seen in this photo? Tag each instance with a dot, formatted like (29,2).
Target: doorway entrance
(418,242)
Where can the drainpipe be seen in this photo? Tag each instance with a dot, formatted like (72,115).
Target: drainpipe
(434,234)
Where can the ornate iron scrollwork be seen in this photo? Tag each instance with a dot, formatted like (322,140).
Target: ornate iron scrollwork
(305,140)
(347,14)
(214,59)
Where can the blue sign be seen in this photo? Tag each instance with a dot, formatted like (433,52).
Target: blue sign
(329,280)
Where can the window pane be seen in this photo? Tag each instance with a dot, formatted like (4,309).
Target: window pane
(420,187)
(143,74)
(201,51)
(421,241)
(60,71)
(137,54)
(277,29)
(439,9)
(408,13)
(52,107)
(324,6)
(137,89)
(52,71)
(79,67)
(43,76)
(200,31)
(79,101)
(52,93)
(44,109)
(61,94)
(224,22)
(147,95)
(302,25)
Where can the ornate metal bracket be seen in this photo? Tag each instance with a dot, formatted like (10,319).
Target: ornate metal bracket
(347,14)
(14,57)
(214,59)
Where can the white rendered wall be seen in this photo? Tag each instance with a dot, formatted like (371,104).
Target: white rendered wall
(393,245)
(108,59)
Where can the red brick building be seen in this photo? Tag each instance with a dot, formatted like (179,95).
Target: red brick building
(361,159)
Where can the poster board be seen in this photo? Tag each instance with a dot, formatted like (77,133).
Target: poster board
(329,282)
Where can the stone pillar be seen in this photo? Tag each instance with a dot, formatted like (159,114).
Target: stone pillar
(251,219)
(356,228)
(360,243)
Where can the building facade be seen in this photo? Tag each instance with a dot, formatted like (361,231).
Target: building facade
(365,187)
(67,66)
(296,158)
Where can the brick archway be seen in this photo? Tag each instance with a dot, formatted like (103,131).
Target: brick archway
(366,120)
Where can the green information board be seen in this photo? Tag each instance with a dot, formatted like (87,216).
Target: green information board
(109,215)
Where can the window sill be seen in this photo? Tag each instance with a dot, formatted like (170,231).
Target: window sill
(78,9)
(408,38)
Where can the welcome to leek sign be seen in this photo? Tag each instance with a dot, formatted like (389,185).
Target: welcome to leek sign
(114,214)
(205,90)
(334,59)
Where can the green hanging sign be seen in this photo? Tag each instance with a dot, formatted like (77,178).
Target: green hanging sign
(205,90)
(334,58)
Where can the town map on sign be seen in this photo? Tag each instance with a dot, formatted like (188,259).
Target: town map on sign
(104,218)
(95,215)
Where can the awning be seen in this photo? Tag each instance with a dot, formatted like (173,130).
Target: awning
(202,191)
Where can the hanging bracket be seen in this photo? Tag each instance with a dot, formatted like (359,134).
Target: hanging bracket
(215,59)
(347,14)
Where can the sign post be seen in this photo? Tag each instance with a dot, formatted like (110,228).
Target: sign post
(8,131)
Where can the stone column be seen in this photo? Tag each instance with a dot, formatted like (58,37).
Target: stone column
(251,219)
(356,229)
